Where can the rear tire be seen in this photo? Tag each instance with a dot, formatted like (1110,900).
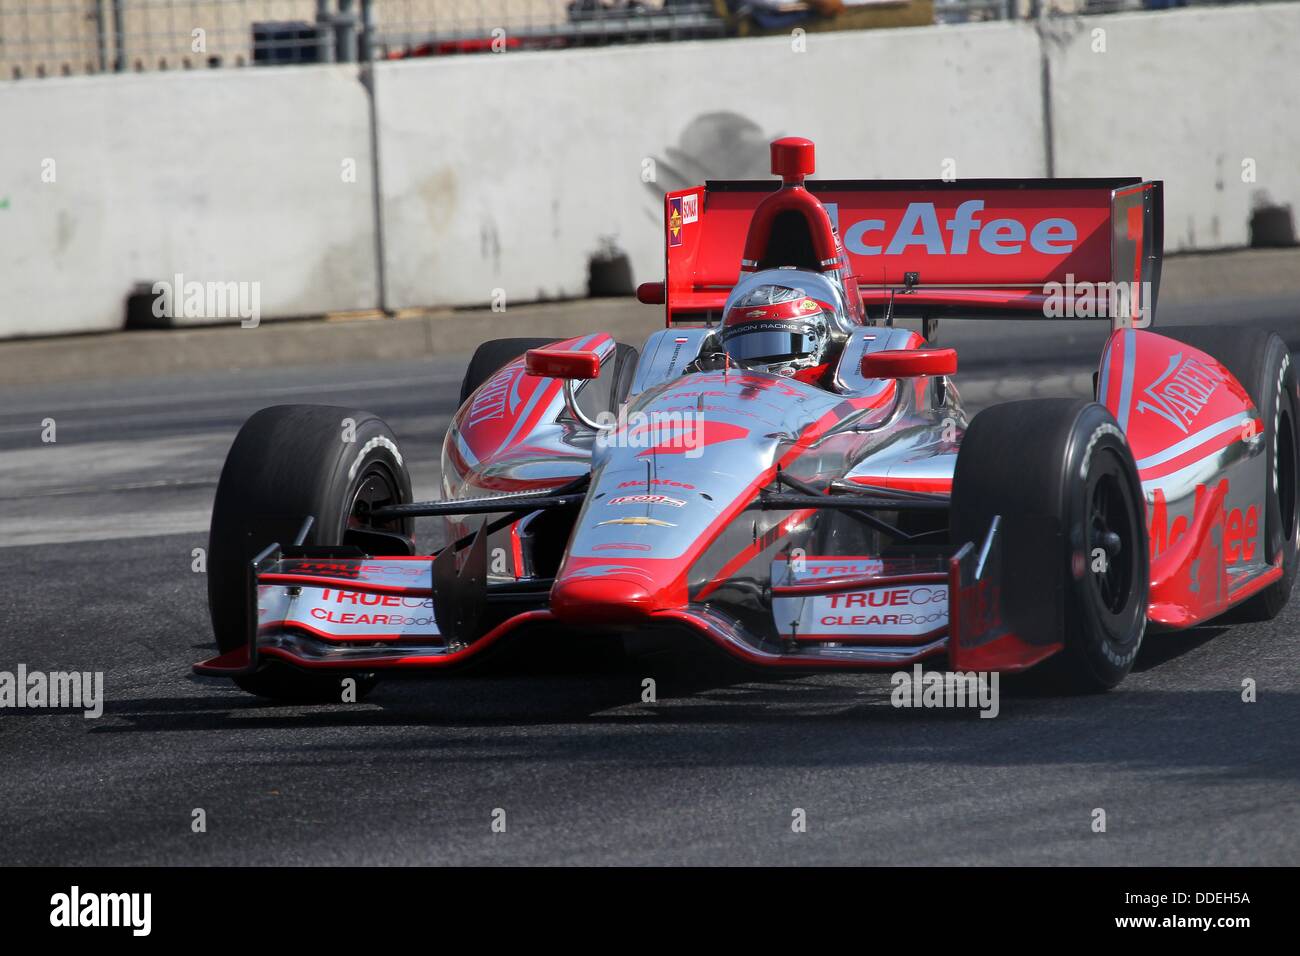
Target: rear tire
(490,357)
(1261,362)
(598,396)
(1066,459)
(288,462)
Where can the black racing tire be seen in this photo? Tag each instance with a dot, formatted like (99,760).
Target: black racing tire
(1066,459)
(490,357)
(288,462)
(1261,361)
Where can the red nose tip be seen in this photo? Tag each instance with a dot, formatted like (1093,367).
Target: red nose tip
(600,600)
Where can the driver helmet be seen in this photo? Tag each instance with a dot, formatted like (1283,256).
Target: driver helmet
(776,328)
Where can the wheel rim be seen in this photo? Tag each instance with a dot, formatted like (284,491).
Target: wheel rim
(1285,474)
(1110,532)
(377,488)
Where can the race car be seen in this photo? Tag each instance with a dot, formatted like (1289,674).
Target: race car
(784,471)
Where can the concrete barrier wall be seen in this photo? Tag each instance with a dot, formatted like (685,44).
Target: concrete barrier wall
(1187,98)
(220,176)
(509,172)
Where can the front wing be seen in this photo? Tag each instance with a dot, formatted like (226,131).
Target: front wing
(319,610)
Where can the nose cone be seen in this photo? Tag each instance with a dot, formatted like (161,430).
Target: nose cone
(597,595)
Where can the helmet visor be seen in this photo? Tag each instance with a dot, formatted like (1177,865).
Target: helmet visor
(771,342)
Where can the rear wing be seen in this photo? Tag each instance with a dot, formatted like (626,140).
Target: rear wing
(988,248)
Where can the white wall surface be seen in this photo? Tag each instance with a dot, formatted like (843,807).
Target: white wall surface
(221,176)
(1186,98)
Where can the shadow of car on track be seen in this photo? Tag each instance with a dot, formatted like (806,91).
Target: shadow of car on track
(709,709)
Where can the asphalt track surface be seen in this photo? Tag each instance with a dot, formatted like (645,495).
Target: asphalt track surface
(96,535)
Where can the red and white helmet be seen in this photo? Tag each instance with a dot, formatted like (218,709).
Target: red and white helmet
(776,328)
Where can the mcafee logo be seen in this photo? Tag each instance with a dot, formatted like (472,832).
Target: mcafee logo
(920,227)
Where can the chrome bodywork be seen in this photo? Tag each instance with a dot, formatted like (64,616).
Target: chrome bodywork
(666,355)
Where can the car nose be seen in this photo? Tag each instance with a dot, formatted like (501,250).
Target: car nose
(612,597)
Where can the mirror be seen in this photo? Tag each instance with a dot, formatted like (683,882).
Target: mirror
(909,363)
(562,363)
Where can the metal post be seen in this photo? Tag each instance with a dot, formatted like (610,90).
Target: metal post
(119,38)
(101,35)
(324,32)
(366,48)
(376,187)
(345,33)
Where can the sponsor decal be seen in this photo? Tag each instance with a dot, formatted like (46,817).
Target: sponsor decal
(638,520)
(920,228)
(917,595)
(690,208)
(375,600)
(881,623)
(678,342)
(666,482)
(344,614)
(372,620)
(675,222)
(490,400)
(904,610)
(815,567)
(604,570)
(1185,388)
(1240,528)
(352,571)
(647,500)
(899,611)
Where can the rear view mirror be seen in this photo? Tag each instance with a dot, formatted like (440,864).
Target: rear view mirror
(651,293)
(562,363)
(909,363)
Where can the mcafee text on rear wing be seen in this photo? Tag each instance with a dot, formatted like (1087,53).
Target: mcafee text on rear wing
(987,248)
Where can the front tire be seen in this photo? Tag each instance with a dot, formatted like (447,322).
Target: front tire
(1064,459)
(288,462)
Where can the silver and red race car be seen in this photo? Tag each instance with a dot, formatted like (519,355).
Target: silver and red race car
(786,473)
